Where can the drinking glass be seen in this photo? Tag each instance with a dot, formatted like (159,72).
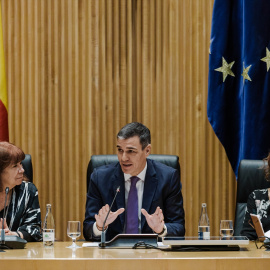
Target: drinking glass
(226,228)
(74,231)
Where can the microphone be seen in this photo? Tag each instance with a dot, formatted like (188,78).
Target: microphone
(3,240)
(102,242)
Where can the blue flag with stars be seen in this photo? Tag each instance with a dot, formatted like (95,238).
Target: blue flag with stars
(238,106)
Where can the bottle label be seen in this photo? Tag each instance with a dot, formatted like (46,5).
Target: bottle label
(204,235)
(48,235)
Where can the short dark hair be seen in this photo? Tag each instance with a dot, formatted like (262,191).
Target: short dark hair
(9,154)
(135,129)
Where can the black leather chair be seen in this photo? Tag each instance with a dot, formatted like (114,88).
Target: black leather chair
(99,160)
(250,177)
(28,169)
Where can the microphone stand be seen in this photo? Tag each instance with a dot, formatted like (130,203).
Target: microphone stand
(103,236)
(3,239)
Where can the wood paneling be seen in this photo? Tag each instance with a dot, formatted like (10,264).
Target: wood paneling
(78,70)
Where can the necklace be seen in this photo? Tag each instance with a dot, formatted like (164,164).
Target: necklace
(7,207)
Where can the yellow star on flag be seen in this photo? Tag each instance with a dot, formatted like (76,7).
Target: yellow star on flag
(226,69)
(245,73)
(266,59)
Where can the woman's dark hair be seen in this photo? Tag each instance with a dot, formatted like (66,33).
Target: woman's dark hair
(267,168)
(9,154)
(135,129)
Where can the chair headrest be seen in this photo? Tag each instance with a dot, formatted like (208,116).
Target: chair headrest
(99,160)
(28,169)
(250,177)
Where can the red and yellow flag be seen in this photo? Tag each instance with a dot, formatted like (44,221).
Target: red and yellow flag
(3,89)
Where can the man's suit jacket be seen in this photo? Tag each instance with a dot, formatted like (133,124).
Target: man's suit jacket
(162,188)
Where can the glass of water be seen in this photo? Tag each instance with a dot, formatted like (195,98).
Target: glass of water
(226,228)
(74,231)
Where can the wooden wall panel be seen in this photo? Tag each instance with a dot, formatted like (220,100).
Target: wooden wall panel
(78,70)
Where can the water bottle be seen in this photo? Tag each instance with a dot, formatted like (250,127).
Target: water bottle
(204,226)
(48,227)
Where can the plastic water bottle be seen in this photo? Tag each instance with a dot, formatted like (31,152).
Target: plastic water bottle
(204,226)
(48,227)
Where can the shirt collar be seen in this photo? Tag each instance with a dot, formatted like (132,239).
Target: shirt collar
(141,175)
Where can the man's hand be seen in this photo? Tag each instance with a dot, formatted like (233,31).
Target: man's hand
(155,221)
(102,213)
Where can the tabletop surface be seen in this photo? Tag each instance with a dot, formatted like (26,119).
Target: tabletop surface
(37,257)
(36,251)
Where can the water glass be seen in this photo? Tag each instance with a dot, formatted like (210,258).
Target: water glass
(226,228)
(74,231)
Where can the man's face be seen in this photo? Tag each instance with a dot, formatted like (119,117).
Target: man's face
(131,156)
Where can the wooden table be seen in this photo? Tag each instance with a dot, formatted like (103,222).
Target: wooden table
(35,256)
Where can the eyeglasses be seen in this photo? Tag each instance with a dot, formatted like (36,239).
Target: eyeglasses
(265,244)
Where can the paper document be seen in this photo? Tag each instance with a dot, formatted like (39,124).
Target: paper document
(90,244)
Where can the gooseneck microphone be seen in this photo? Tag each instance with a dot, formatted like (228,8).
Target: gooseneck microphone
(3,241)
(103,240)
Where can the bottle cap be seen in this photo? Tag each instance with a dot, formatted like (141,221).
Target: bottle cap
(48,205)
(203,204)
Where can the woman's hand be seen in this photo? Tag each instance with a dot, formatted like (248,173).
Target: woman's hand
(7,231)
(5,225)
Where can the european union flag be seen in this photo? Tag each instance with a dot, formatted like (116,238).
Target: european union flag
(239,78)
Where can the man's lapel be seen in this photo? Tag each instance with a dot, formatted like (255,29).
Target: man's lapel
(150,186)
(119,181)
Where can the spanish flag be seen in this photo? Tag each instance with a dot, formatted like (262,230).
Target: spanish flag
(3,89)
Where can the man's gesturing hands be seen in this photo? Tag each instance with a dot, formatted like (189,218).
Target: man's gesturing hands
(102,213)
(155,221)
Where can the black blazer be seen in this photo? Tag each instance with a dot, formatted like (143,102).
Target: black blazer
(162,188)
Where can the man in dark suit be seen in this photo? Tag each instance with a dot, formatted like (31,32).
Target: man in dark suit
(150,198)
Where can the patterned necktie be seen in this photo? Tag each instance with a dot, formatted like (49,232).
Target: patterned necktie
(132,221)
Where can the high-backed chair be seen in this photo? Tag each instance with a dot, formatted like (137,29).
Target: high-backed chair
(28,169)
(99,160)
(250,177)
